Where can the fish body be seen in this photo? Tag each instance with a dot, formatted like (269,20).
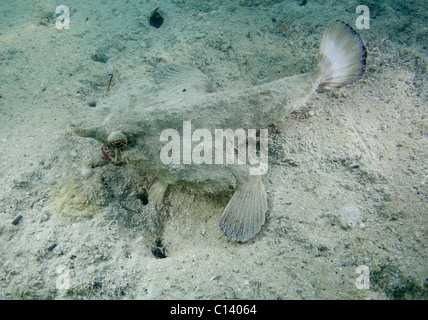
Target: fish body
(188,103)
(230,109)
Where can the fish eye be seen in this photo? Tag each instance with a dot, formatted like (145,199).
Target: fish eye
(117,139)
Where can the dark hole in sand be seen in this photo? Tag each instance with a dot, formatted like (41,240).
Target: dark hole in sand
(156,19)
(158,250)
(144,197)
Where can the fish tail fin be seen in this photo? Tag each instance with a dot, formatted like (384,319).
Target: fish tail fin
(244,215)
(342,55)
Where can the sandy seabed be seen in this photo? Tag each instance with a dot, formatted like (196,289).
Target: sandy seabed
(347,179)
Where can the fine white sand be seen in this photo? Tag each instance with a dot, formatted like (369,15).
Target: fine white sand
(347,180)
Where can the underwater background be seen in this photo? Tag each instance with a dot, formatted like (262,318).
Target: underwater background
(347,179)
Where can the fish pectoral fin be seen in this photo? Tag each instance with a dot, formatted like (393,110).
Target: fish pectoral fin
(244,215)
(157,192)
(177,78)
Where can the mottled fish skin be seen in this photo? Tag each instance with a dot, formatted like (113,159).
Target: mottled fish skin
(254,108)
(186,94)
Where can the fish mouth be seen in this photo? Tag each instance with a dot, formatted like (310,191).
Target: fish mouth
(112,151)
(112,155)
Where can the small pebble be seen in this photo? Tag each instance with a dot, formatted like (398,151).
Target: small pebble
(87,172)
(100,57)
(350,217)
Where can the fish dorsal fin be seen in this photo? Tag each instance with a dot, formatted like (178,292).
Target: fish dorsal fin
(180,78)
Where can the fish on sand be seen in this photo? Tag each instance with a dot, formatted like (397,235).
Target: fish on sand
(132,137)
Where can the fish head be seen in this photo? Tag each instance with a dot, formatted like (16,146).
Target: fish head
(119,141)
